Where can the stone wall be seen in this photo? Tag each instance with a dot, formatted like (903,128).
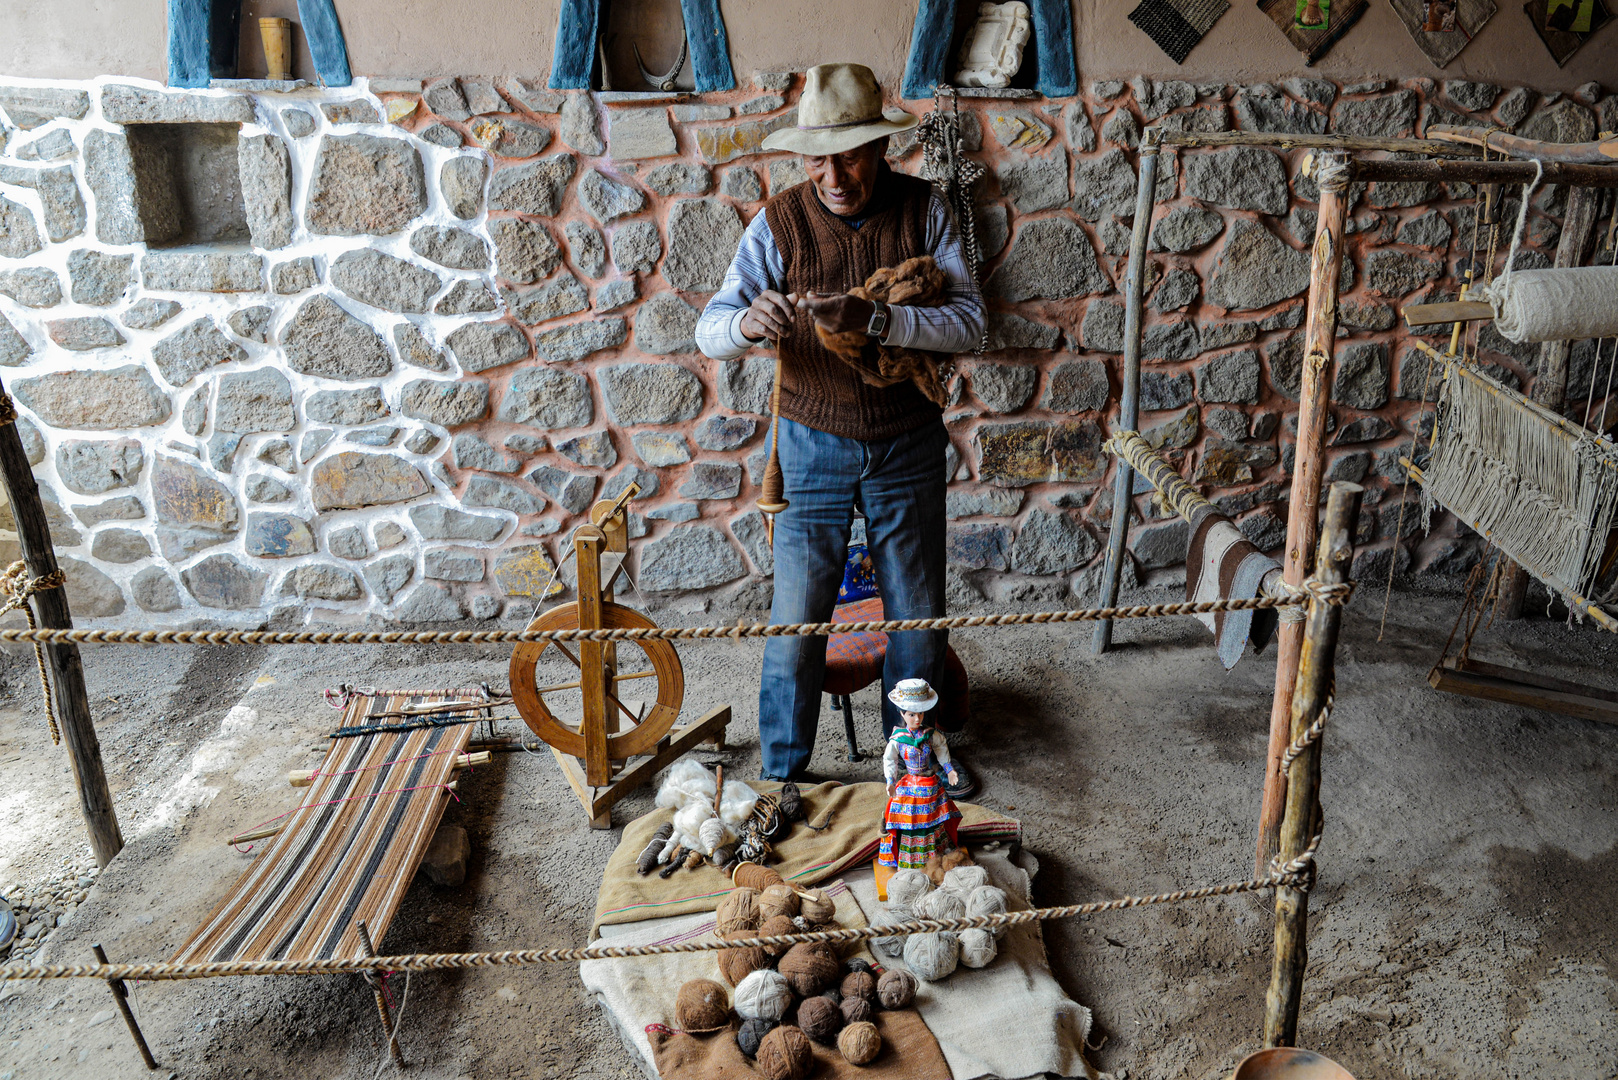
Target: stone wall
(463,311)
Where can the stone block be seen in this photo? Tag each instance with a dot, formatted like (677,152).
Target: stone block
(31,106)
(252,401)
(382,281)
(1362,376)
(154,590)
(1121,129)
(1564,120)
(1035,184)
(346,408)
(616,293)
(150,312)
(278,452)
(1077,386)
(119,508)
(1389,115)
(124,104)
(481,346)
(422,441)
(1051,542)
(294,276)
(32,287)
(1103,326)
(535,188)
(1239,177)
(500,495)
(650,393)
(571,491)
(713,480)
(90,593)
(1178,289)
(327,341)
(461,180)
(586,248)
(547,399)
(252,323)
(84,333)
(978,547)
(221,581)
(634,134)
(1227,423)
(991,503)
(365,185)
(322,581)
(617,484)
(1004,388)
(1158,546)
(666,325)
(580,125)
(448,246)
(1178,432)
(59,197)
(1037,451)
(1008,331)
(526,570)
(744,385)
(446,523)
(722,433)
(428,603)
(1170,342)
(350,480)
(678,512)
(1276,114)
(109,399)
(184,355)
(1050,258)
(703,237)
(1104,186)
(1395,273)
(415,350)
(1429,230)
(741,184)
(265,489)
(1160,390)
(575,341)
(447,404)
(472,452)
(19,236)
(524,250)
(658,449)
(636,247)
(467,297)
(123,209)
(265,169)
(388,575)
(449,564)
(786,173)
(277,536)
(177,271)
(1226,462)
(607,199)
(552,300)
(90,468)
(506,137)
(1256,269)
(1229,377)
(186,497)
(689,557)
(1365,316)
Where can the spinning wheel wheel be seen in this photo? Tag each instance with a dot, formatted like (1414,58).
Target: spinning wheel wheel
(644,732)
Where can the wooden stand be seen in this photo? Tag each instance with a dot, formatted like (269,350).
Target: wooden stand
(1492,682)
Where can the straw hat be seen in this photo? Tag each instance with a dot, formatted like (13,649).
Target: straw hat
(913,695)
(840,108)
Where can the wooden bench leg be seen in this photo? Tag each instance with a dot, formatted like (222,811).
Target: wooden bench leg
(847,702)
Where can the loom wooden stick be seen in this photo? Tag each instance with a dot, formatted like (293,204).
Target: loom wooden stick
(271,830)
(1288,141)
(305,777)
(1452,312)
(1600,152)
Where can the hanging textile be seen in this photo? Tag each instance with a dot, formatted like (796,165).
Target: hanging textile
(1317,42)
(327,48)
(1177,25)
(202,41)
(1444,45)
(1056,73)
(1563,43)
(578,29)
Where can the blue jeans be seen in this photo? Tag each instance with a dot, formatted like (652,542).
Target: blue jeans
(898,484)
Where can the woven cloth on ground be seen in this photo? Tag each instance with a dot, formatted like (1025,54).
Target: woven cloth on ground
(804,856)
(1177,25)
(854,661)
(1562,304)
(1221,564)
(1317,42)
(1443,46)
(1012,1018)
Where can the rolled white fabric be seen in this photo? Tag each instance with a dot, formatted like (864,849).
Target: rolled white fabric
(1555,305)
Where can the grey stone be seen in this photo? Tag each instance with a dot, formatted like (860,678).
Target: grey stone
(1563,121)
(1428,230)
(636,247)
(1170,342)
(1390,115)
(1051,543)
(482,97)
(33,444)
(1384,194)
(658,449)
(616,293)
(428,603)
(150,312)
(523,250)
(1230,377)
(322,581)
(32,287)
(696,113)
(123,104)
(741,184)
(445,523)
(703,237)
(1178,289)
(1160,390)
(299,122)
(756,106)
(1077,386)
(552,300)
(1230,424)
(1350,468)
(526,444)
(472,452)
(1035,184)
(382,281)
(1472,96)
(251,323)
(109,399)
(31,106)
(387,576)
(1273,113)
(1240,177)
(90,593)
(545,398)
(1103,326)
(1365,429)
(1155,99)
(353,111)
(1395,273)
(294,276)
(448,404)
(1361,381)
(580,127)
(607,199)
(744,385)
(645,479)
(575,341)
(347,408)
(415,350)
(221,450)
(277,536)
(724,432)
(1366,316)
(350,480)
(1514,106)
(571,491)
(452,565)
(264,489)
(1157,546)
(1121,129)
(750,530)
(666,325)
(1256,269)
(978,547)
(446,98)
(1264,530)
(507,137)
(365,185)
(265,169)
(19,236)
(679,178)
(441,135)
(202,272)
(467,297)
(996,502)
(90,468)
(500,495)
(422,441)
(14,348)
(1027,452)
(58,195)
(155,591)
(650,393)
(84,333)
(676,512)
(327,341)
(1051,258)
(994,229)
(535,188)
(461,180)
(1178,432)
(187,498)
(451,247)
(278,452)
(377,436)
(713,480)
(121,206)
(594,449)
(1416,372)
(1008,331)
(1004,388)
(640,133)
(586,248)
(1103,186)
(689,557)
(1186,228)
(481,346)
(252,401)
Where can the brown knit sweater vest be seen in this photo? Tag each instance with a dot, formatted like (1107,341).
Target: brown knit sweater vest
(823,253)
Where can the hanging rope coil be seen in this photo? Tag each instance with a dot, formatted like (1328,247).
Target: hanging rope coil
(18,587)
(1180,496)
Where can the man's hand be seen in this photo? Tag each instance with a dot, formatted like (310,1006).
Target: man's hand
(770,316)
(837,312)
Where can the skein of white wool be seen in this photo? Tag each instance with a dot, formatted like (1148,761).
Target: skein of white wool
(907,887)
(932,956)
(762,995)
(977,948)
(688,824)
(963,879)
(712,833)
(987,900)
(941,904)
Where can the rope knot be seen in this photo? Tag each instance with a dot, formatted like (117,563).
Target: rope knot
(16,584)
(1297,872)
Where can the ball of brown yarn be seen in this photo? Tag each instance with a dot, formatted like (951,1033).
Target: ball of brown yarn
(738,911)
(751,875)
(810,967)
(856,1009)
(896,988)
(752,1033)
(778,900)
(859,984)
(816,906)
(737,964)
(820,1019)
(702,1006)
(779,925)
(785,1054)
(860,1043)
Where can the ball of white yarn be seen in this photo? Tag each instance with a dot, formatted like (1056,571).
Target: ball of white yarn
(987,900)
(977,948)
(963,879)
(892,947)
(762,995)
(932,956)
(907,887)
(941,904)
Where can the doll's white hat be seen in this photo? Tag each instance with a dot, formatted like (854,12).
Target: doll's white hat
(913,695)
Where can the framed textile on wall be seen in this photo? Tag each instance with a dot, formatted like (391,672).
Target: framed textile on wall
(1441,46)
(1177,25)
(1561,43)
(1314,43)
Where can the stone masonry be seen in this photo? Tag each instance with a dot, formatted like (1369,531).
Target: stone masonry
(449,333)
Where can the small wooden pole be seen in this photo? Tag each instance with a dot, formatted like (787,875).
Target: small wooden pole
(1123,481)
(120,994)
(381,999)
(1301,824)
(1333,173)
(67,669)
(593,684)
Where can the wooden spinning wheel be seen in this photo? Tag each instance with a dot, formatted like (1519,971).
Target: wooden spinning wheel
(602,758)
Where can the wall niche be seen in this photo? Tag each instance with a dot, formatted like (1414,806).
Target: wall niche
(187,184)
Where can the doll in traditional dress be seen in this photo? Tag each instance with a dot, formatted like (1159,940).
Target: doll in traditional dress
(920,818)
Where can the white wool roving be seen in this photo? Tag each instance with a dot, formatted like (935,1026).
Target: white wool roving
(736,805)
(762,995)
(907,887)
(688,824)
(941,904)
(932,956)
(963,879)
(712,833)
(987,900)
(687,780)
(977,948)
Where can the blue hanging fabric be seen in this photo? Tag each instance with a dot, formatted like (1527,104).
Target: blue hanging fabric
(928,63)
(325,37)
(1056,71)
(574,56)
(710,49)
(1058,74)
(190,60)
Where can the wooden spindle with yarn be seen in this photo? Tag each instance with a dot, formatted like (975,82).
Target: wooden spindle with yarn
(773,500)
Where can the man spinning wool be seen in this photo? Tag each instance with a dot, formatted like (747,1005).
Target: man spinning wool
(857,429)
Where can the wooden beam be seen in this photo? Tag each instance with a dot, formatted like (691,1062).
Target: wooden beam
(66,666)
(1287,141)
(1486,172)
(1452,312)
(1600,152)
(305,777)
(1493,683)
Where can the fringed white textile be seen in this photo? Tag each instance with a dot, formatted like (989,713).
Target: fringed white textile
(1568,304)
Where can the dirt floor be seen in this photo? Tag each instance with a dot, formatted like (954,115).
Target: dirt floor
(1463,925)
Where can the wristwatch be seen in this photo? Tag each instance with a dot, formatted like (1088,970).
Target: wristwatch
(879,320)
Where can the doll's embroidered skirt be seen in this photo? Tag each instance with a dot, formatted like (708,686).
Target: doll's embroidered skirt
(917,814)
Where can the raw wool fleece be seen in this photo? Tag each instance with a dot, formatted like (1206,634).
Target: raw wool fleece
(916,282)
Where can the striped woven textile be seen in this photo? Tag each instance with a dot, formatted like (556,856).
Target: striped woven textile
(854,661)
(348,851)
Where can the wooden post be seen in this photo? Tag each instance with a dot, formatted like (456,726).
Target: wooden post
(120,994)
(1123,482)
(67,669)
(592,675)
(1298,828)
(1333,172)
(388,1027)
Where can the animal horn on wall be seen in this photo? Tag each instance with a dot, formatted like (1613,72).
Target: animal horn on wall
(661,82)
